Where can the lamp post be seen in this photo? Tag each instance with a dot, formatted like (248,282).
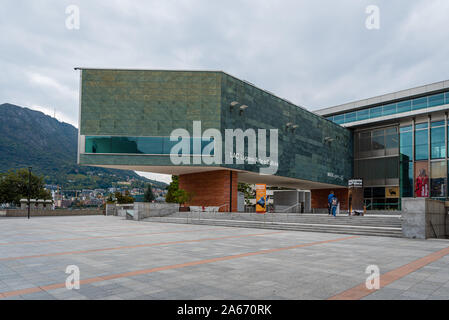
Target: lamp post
(29,191)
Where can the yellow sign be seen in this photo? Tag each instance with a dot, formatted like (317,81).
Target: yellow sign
(261,198)
(392,192)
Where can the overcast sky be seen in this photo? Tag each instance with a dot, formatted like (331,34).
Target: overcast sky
(315,53)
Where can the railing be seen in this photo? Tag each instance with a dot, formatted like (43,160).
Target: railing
(291,207)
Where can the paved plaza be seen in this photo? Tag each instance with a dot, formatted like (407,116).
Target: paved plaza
(120,259)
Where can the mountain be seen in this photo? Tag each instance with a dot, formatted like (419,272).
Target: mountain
(31,138)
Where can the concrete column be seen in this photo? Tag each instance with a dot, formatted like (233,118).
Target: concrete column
(424,218)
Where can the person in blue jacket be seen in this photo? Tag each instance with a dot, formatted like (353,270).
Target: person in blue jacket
(329,202)
(334,206)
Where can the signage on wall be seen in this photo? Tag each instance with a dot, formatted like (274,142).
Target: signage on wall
(355,183)
(261,198)
(392,192)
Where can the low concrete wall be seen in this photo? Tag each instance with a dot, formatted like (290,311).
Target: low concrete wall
(424,218)
(163,209)
(50,213)
(142,210)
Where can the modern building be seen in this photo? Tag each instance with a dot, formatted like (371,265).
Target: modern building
(400,143)
(396,143)
(128,116)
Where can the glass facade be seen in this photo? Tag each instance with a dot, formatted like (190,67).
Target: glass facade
(421,141)
(438,142)
(377,163)
(429,101)
(139,145)
(399,162)
(406,160)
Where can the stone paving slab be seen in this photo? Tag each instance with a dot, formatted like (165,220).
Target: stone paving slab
(153,261)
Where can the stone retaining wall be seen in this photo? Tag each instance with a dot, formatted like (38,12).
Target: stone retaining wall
(50,213)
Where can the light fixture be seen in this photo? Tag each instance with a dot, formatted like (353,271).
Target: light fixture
(234,104)
(328,139)
(288,125)
(295,127)
(243,108)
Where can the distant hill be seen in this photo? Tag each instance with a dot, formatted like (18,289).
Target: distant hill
(31,138)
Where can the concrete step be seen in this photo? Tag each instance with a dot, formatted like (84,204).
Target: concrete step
(341,220)
(324,228)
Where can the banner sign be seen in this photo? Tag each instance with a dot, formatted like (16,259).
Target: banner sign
(261,198)
(356,183)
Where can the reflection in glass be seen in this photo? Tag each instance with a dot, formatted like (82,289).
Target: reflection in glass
(421,144)
(438,143)
(138,145)
(420,103)
(378,140)
(404,106)
(438,179)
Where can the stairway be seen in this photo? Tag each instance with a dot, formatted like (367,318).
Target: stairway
(373,225)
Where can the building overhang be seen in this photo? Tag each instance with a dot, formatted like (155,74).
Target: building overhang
(243,176)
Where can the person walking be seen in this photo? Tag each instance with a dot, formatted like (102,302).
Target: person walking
(329,202)
(334,206)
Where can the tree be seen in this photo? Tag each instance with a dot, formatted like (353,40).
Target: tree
(247,190)
(124,199)
(181,196)
(172,189)
(14,186)
(149,195)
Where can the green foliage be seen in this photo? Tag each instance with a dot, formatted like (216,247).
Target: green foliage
(247,191)
(181,196)
(149,195)
(172,189)
(176,195)
(124,199)
(14,186)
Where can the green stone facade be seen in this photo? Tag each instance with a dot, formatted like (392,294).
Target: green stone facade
(154,103)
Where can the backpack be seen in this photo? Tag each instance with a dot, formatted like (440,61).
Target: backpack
(334,201)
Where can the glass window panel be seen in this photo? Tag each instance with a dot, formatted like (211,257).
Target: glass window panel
(138,145)
(447,97)
(340,119)
(375,112)
(406,146)
(150,145)
(378,140)
(437,124)
(421,126)
(365,141)
(330,118)
(368,193)
(436,100)
(98,145)
(421,179)
(420,103)
(438,179)
(350,117)
(405,129)
(363,114)
(391,138)
(392,168)
(379,192)
(389,109)
(421,145)
(124,145)
(407,179)
(404,106)
(438,143)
